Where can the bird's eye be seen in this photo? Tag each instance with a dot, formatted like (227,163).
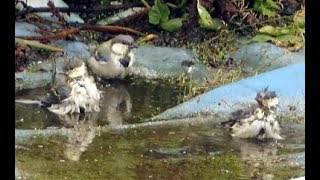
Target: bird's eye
(63,92)
(98,56)
(273,94)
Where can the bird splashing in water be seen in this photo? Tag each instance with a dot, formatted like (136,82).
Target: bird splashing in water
(76,91)
(258,121)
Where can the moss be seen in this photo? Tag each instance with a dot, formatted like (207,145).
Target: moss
(293,118)
(287,172)
(282,151)
(125,155)
(227,166)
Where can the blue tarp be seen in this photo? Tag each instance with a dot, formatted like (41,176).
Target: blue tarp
(288,82)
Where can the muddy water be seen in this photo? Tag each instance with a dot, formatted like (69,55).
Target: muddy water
(200,151)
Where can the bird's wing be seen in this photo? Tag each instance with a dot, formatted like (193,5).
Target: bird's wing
(239,115)
(28,101)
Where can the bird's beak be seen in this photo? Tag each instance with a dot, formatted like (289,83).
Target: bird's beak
(125,61)
(133,45)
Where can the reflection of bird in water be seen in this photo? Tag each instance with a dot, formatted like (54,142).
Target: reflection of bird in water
(75,92)
(73,142)
(117,106)
(73,120)
(78,141)
(259,156)
(258,121)
(112,58)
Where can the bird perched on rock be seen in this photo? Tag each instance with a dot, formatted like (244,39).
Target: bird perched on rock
(112,58)
(75,92)
(258,121)
(187,66)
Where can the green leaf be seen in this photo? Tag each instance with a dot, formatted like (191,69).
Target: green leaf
(266,7)
(172,25)
(257,5)
(267,29)
(261,38)
(205,18)
(270,4)
(158,13)
(277,31)
(268,12)
(290,38)
(284,31)
(164,11)
(216,25)
(154,15)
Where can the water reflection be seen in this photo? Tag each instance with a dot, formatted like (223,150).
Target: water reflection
(74,120)
(116,108)
(161,152)
(261,157)
(81,133)
(123,103)
(116,105)
(78,141)
(204,152)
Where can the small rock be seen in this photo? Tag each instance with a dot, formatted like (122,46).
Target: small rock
(26,29)
(153,62)
(263,57)
(72,18)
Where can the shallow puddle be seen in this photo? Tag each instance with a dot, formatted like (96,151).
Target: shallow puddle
(203,152)
(189,151)
(123,103)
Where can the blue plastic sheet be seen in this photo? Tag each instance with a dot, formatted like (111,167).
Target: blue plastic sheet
(288,82)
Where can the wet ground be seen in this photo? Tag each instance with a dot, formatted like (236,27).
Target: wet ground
(187,151)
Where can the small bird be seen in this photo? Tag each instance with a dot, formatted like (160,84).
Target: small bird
(258,121)
(187,66)
(112,58)
(75,92)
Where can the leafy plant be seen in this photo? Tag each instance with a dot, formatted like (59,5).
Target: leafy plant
(172,25)
(290,36)
(159,15)
(266,7)
(206,20)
